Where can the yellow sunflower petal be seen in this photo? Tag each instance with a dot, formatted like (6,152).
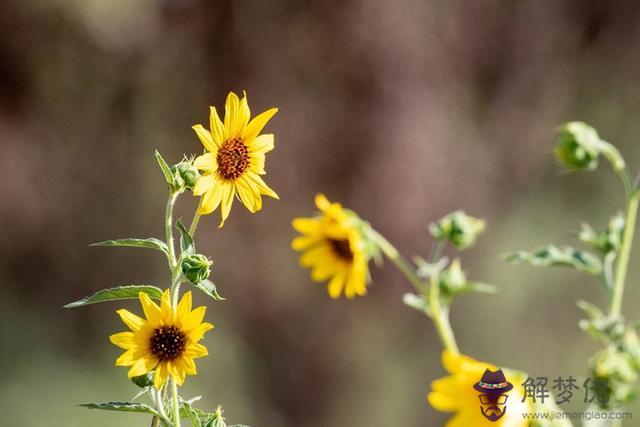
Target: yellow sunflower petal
(322,202)
(142,366)
(205,138)
(151,310)
(336,285)
(235,116)
(307,226)
(206,162)
(195,350)
(303,242)
(262,186)
(190,321)
(253,129)
(211,200)
(184,306)
(443,402)
(166,310)
(217,128)
(131,320)
(160,375)
(198,332)
(188,365)
(262,144)
(127,358)
(227,200)
(204,184)
(123,340)
(247,197)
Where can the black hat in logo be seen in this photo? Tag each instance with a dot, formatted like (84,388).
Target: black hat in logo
(493,383)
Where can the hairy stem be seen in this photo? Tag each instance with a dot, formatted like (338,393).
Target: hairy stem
(168,227)
(176,404)
(625,252)
(440,316)
(194,224)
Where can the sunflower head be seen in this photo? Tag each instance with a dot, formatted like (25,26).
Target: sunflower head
(455,393)
(234,161)
(334,248)
(165,340)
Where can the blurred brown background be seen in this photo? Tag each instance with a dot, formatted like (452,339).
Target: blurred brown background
(402,110)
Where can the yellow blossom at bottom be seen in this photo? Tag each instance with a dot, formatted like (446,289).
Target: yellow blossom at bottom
(166,341)
(455,393)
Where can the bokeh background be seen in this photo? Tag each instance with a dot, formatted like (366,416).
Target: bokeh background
(401,110)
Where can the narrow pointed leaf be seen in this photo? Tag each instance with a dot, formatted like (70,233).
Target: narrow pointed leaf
(565,256)
(187,247)
(117,293)
(150,243)
(122,407)
(209,288)
(166,171)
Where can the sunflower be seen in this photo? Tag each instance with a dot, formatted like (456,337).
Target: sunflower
(166,340)
(333,248)
(234,159)
(455,393)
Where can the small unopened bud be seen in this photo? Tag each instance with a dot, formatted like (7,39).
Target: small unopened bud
(196,268)
(145,380)
(458,228)
(578,146)
(185,174)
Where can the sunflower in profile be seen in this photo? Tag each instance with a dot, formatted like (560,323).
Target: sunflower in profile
(456,393)
(334,249)
(235,157)
(166,341)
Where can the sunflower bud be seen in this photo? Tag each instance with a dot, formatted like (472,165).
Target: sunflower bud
(185,175)
(578,146)
(145,380)
(458,228)
(196,268)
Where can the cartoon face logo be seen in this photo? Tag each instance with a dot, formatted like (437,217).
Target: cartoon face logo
(492,387)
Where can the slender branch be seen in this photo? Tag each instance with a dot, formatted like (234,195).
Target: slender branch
(194,224)
(625,252)
(440,316)
(400,262)
(168,227)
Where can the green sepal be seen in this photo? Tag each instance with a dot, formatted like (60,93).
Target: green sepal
(564,256)
(143,381)
(599,325)
(117,293)
(122,407)
(209,288)
(187,246)
(150,243)
(166,171)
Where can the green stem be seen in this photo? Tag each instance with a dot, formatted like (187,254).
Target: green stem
(176,404)
(400,262)
(194,224)
(168,227)
(625,252)
(439,314)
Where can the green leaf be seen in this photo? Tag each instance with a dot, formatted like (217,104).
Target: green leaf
(168,176)
(122,407)
(209,288)
(191,413)
(565,256)
(151,243)
(117,293)
(187,247)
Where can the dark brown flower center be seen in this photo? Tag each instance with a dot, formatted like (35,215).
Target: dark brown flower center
(341,248)
(233,159)
(168,342)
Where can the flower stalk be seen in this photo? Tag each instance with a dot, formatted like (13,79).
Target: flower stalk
(625,252)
